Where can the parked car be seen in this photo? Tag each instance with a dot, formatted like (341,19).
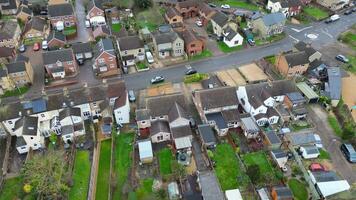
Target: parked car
(87,24)
(354,9)
(132,97)
(149,57)
(342,58)
(199,23)
(314,167)
(225,6)
(349,152)
(36,46)
(157,79)
(348,12)
(80,61)
(251,42)
(212,5)
(22,48)
(44,45)
(190,70)
(332,19)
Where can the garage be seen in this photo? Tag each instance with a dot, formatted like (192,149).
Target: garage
(308,92)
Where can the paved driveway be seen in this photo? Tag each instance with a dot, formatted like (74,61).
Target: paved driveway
(38,71)
(83,34)
(332,143)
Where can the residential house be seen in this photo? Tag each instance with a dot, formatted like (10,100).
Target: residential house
(328,183)
(287,7)
(305,139)
(294,100)
(105,62)
(280,157)
(7,54)
(220,22)
(281,192)
(333,5)
(9,7)
(36,28)
(220,113)
(145,151)
(56,40)
(334,85)
(72,123)
(260,100)
(10,33)
(172,16)
(130,50)
(168,44)
(60,63)
(96,13)
(232,38)
(193,43)
(20,73)
(313,55)
(188,9)
(292,64)
(207,136)
(28,134)
(101,31)
(160,131)
(62,13)
(205,13)
(24,13)
(268,25)
(119,100)
(82,51)
(5,82)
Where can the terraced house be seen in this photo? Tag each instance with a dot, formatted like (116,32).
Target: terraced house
(10,33)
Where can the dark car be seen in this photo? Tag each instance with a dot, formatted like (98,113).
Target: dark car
(157,79)
(342,58)
(212,5)
(354,9)
(190,71)
(348,12)
(80,61)
(328,21)
(349,152)
(251,42)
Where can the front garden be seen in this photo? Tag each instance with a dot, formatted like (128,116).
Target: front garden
(238,4)
(70,30)
(315,12)
(204,54)
(226,49)
(116,27)
(16,92)
(194,78)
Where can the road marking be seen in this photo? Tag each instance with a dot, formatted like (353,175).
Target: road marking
(300,30)
(294,38)
(326,33)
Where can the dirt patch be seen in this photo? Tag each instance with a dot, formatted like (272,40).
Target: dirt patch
(225,78)
(253,73)
(348,92)
(162,89)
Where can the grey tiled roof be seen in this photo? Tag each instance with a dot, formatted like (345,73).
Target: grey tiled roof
(212,98)
(57,10)
(273,18)
(63,55)
(129,43)
(16,67)
(220,18)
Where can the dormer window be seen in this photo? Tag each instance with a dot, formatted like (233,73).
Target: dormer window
(59,63)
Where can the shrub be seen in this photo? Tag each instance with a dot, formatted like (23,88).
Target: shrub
(195,78)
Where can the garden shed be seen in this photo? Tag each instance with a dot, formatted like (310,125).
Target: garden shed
(145,151)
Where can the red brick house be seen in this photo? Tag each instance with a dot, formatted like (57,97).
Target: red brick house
(56,40)
(95,9)
(294,6)
(205,12)
(188,9)
(105,63)
(62,12)
(193,44)
(172,16)
(60,63)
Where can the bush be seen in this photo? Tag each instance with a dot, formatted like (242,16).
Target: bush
(195,78)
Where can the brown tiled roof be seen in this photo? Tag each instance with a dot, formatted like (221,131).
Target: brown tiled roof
(129,43)
(217,97)
(182,131)
(172,12)
(36,23)
(188,3)
(6,52)
(117,89)
(206,9)
(189,36)
(176,112)
(159,126)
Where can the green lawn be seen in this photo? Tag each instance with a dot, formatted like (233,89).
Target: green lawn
(32,41)
(70,30)
(349,38)
(271,59)
(227,168)
(204,54)
(299,190)
(12,189)
(165,161)
(81,175)
(260,159)
(145,189)
(238,4)
(300,126)
(150,18)
(116,27)
(315,12)
(102,183)
(195,78)
(123,160)
(226,49)
(324,154)
(335,125)
(16,92)
(141,65)
(351,66)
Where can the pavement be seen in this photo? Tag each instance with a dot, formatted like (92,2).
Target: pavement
(332,143)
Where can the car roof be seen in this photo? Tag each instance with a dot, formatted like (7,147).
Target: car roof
(350,148)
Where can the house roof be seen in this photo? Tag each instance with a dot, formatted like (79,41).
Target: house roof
(36,23)
(62,55)
(334,83)
(25,9)
(67,112)
(142,114)
(81,47)
(57,10)
(212,98)
(121,100)
(206,9)
(283,192)
(103,29)
(210,187)
(20,57)
(172,12)
(182,143)
(6,52)
(96,3)
(302,138)
(296,97)
(159,126)
(290,3)
(162,38)
(118,89)
(56,35)
(12,5)
(272,137)
(213,81)
(218,119)
(130,43)
(278,153)
(231,115)
(189,36)
(16,67)
(307,91)
(29,125)
(181,131)
(273,18)
(161,105)
(302,46)
(106,45)
(188,3)
(249,124)
(35,106)
(8,29)
(328,182)
(176,112)
(207,134)
(3,72)
(145,149)
(310,149)
(20,141)
(220,18)
(229,33)
(297,58)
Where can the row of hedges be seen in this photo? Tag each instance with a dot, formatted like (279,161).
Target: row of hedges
(344,117)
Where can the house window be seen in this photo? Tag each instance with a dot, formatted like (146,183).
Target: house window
(118,112)
(236,42)
(111,59)
(101,60)
(35,145)
(10,122)
(160,137)
(192,45)
(125,52)
(120,119)
(31,138)
(161,117)
(42,115)
(98,13)
(143,122)
(174,20)
(139,50)
(23,147)
(242,101)
(69,62)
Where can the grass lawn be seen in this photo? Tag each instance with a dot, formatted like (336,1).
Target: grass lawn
(16,92)
(81,174)
(226,49)
(150,18)
(165,161)
(195,78)
(271,59)
(315,12)
(32,41)
(351,66)
(12,189)
(335,125)
(238,4)
(123,160)
(102,184)
(204,54)
(324,154)
(7,17)
(227,168)
(260,159)
(349,38)
(69,30)
(116,27)
(141,65)
(145,189)
(299,190)
(300,126)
